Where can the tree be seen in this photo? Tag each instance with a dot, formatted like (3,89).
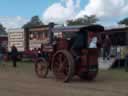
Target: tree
(86,20)
(35,21)
(2,30)
(124,21)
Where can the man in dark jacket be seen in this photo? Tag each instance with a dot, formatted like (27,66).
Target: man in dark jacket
(106,47)
(14,54)
(1,54)
(79,41)
(126,63)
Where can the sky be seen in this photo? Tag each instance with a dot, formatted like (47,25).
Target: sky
(15,13)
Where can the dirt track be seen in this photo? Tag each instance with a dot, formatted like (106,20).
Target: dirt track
(23,82)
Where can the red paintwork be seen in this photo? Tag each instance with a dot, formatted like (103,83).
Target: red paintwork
(89,57)
(62,44)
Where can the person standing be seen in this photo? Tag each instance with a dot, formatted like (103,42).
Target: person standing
(14,55)
(93,43)
(1,53)
(106,47)
(126,62)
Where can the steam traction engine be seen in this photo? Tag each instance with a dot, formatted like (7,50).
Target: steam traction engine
(68,54)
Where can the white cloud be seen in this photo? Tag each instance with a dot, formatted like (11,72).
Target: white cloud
(59,12)
(108,11)
(105,8)
(13,22)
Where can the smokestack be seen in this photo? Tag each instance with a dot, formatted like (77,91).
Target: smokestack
(50,33)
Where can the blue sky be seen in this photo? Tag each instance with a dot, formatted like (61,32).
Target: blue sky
(25,8)
(15,13)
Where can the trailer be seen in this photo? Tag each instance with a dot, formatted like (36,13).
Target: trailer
(16,37)
(27,40)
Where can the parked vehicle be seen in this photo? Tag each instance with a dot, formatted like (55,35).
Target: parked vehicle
(27,40)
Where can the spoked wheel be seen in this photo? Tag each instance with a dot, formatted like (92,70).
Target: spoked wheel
(63,66)
(41,68)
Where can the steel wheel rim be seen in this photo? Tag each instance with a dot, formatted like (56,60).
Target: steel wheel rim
(41,68)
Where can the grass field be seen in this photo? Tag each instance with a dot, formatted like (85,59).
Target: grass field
(22,81)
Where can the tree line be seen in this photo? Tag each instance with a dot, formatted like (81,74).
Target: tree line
(85,20)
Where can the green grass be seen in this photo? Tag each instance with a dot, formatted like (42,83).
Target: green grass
(28,67)
(115,74)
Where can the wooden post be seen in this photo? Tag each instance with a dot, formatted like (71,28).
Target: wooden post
(27,38)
